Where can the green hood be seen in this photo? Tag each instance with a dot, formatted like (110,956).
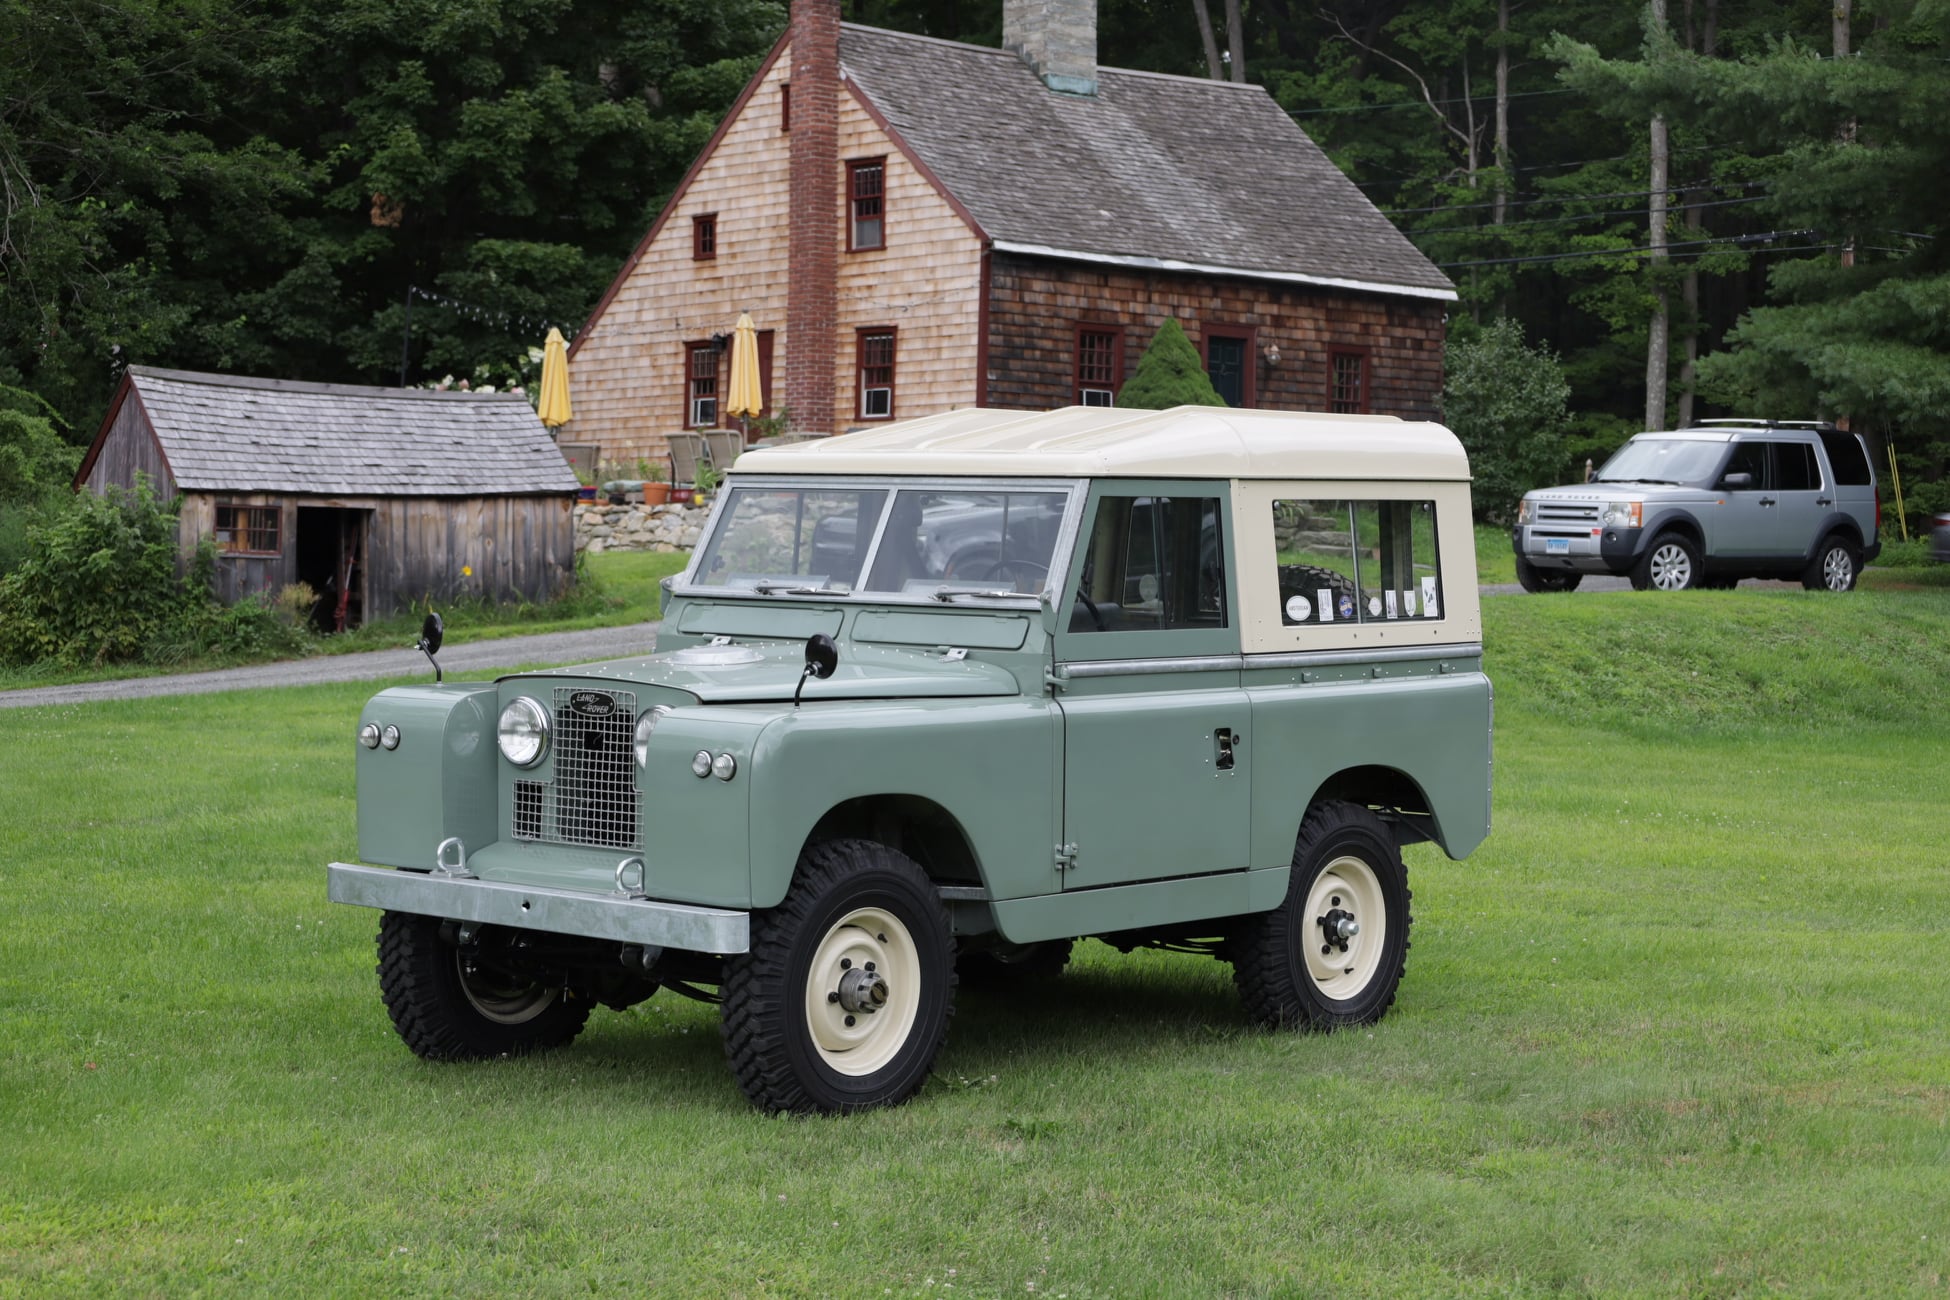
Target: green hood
(751,672)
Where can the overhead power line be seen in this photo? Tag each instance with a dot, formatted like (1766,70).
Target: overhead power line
(1569,198)
(1575,216)
(1422,103)
(1568,255)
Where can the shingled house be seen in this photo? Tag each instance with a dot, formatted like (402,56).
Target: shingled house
(916,225)
(376,497)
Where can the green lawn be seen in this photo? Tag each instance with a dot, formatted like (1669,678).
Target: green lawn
(1676,1029)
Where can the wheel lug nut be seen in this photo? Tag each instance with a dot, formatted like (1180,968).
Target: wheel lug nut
(869,966)
(849,1022)
(846,963)
(832,997)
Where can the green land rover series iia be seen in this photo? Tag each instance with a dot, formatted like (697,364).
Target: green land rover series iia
(930,703)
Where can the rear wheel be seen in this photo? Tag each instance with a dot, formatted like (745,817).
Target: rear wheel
(1835,567)
(1533,579)
(1333,952)
(469,1001)
(842,1002)
(1671,563)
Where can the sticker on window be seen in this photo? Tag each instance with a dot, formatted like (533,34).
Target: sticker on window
(1355,561)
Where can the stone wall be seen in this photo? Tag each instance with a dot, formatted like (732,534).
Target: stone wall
(638,527)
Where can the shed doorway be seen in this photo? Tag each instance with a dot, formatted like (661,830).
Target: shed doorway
(332,560)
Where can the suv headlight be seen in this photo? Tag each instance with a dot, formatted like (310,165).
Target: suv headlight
(523,732)
(1622,514)
(645,725)
(1525,511)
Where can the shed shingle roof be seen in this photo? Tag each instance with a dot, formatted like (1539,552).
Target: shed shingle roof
(226,433)
(1174,172)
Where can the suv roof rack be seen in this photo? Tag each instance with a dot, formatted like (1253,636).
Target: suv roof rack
(1765,424)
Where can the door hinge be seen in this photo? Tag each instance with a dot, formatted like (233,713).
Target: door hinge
(1066,857)
(1054,680)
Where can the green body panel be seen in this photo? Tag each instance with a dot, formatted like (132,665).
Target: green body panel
(440,782)
(1431,725)
(724,618)
(1138,906)
(970,631)
(992,764)
(1143,794)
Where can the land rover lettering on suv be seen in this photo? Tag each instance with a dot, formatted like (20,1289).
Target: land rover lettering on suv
(1707,506)
(929,704)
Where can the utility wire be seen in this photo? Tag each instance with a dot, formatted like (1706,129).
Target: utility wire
(1422,103)
(1558,221)
(1570,255)
(1567,198)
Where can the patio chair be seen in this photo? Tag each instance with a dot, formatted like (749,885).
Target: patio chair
(686,453)
(723,446)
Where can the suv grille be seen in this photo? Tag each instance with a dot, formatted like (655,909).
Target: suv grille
(1565,512)
(592,799)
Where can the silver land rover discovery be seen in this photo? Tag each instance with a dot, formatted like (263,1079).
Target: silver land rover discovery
(1709,505)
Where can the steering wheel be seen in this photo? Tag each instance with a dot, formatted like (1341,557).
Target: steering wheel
(1095,615)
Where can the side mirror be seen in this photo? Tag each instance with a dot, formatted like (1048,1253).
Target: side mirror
(431,633)
(822,657)
(1737,481)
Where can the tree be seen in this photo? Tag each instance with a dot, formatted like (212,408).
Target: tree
(1169,374)
(1506,402)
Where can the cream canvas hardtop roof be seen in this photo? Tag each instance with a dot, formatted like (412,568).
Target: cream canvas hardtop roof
(1098,442)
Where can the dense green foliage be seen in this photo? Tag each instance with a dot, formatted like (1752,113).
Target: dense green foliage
(1505,401)
(1648,1044)
(1169,374)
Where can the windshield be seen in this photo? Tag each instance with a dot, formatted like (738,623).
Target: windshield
(1664,460)
(1001,541)
(791,537)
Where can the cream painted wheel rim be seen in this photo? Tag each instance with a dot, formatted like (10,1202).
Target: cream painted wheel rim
(863,945)
(1346,886)
(500,999)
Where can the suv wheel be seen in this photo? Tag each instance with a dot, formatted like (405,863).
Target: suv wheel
(1835,567)
(1533,579)
(1333,952)
(843,1001)
(454,1003)
(1671,563)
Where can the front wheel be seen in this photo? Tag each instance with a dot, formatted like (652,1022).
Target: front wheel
(460,1002)
(1333,952)
(842,1002)
(1533,579)
(1835,567)
(1671,563)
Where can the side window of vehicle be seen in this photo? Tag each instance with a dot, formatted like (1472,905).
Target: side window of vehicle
(1153,563)
(1356,561)
(1749,458)
(1794,467)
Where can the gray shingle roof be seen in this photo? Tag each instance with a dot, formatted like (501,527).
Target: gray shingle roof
(1154,168)
(225,433)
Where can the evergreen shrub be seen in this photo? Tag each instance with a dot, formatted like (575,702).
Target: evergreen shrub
(1169,374)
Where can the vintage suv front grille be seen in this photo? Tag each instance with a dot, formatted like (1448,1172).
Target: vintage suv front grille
(592,799)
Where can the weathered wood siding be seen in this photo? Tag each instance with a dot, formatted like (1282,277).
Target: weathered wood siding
(1036,305)
(129,449)
(627,377)
(417,548)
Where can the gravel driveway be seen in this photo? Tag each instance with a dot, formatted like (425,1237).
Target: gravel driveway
(459,658)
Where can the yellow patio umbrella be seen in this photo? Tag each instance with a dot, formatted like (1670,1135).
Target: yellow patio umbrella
(554,407)
(747,395)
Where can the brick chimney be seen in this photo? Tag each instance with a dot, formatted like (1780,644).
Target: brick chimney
(812,263)
(1057,38)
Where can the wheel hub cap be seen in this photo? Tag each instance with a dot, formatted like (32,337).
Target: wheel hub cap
(1671,568)
(1338,927)
(862,991)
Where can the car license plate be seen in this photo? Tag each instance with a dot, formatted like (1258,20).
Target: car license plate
(1557,546)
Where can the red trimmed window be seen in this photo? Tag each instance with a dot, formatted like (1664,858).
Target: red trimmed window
(874,363)
(701,385)
(1347,382)
(785,106)
(1100,365)
(247,530)
(704,237)
(866,190)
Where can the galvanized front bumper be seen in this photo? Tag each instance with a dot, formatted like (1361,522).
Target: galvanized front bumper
(528,907)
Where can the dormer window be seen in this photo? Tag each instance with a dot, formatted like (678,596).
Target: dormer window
(866,188)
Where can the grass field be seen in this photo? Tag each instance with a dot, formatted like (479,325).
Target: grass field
(1676,1029)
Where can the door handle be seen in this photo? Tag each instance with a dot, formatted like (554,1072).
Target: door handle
(1767,501)
(1824,501)
(1224,737)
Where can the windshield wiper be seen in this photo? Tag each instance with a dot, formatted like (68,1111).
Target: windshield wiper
(785,589)
(954,593)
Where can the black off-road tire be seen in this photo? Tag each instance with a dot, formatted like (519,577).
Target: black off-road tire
(1012,966)
(1291,971)
(1836,566)
(1535,580)
(452,1004)
(856,909)
(1670,563)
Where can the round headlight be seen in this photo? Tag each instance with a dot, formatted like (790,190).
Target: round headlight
(701,763)
(523,732)
(644,726)
(369,735)
(390,736)
(724,767)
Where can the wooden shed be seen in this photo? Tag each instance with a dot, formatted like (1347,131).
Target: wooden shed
(375,497)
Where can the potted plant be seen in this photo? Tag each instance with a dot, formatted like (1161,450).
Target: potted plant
(655,490)
(707,480)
